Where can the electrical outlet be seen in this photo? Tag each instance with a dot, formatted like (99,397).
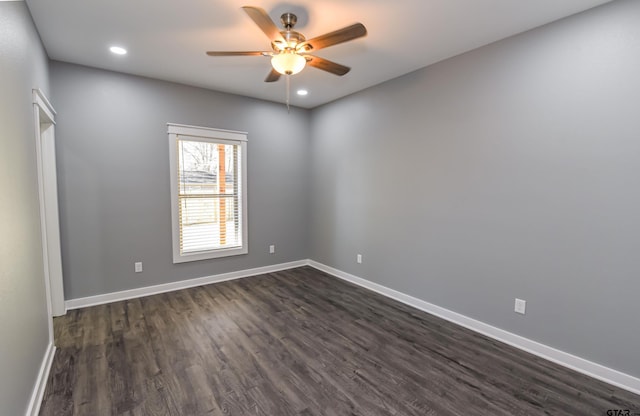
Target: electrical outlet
(520,306)
(272,248)
(359,258)
(138,267)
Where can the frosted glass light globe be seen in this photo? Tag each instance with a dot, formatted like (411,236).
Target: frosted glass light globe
(288,63)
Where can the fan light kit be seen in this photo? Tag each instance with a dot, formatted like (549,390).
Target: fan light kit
(290,49)
(288,63)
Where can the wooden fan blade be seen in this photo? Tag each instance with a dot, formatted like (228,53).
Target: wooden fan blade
(326,65)
(264,22)
(273,76)
(333,38)
(248,53)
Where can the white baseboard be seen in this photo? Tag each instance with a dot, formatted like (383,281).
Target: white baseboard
(41,381)
(183,284)
(598,371)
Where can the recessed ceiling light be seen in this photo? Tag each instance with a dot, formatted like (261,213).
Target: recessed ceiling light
(118,50)
(303,92)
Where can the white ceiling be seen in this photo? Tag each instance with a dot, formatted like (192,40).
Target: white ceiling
(167,39)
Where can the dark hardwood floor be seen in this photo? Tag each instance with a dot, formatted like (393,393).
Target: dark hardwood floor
(299,342)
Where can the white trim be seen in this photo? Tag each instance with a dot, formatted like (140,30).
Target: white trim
(209,135)
(44,103)
(41,382)
(44,126)
(173,286)
(210,132)
(589,368)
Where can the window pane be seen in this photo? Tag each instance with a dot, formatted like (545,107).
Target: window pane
(204,225)
(208,191)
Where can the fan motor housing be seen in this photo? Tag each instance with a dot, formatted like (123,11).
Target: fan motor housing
(292,39)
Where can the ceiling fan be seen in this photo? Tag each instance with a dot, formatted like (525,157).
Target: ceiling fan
(290,49)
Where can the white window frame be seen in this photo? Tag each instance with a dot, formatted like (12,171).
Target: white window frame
(219,136)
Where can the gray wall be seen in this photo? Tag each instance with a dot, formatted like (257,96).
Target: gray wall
(113,177)
(23,324)
(510,171)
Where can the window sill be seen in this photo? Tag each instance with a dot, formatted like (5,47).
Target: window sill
(210,254)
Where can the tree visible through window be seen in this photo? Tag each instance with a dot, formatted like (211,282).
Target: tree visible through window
(210,196)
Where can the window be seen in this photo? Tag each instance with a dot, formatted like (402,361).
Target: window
(208,192)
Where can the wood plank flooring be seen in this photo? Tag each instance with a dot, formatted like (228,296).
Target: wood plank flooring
(299,342)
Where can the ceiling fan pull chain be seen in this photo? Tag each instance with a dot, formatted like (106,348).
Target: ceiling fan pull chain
(288,82)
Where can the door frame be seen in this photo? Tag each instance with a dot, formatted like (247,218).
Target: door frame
(48,195)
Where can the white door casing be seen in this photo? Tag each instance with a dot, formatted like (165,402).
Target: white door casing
(48,195)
